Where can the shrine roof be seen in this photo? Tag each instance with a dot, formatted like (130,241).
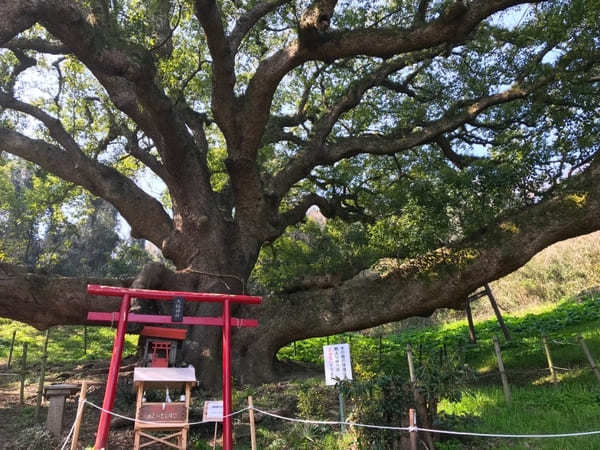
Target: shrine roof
(163,376)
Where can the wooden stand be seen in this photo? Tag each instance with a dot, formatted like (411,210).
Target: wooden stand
(160,417)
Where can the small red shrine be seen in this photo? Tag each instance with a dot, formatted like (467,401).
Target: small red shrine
(162,346)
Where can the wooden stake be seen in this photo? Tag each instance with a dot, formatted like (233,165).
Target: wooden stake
(411,367)
(550,364)
(12,346)
(40,392)
(589,356)
(85,339)
(79,416)
(472,335)
(488,291)
(505,385)
(252,426)
(23,367)
(379,360)
(412,421)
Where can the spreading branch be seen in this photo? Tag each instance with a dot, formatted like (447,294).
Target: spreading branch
(248,20)
(376,144)
(71,165)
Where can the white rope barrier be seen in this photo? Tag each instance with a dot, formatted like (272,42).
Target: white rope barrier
(327,422)
(525,436)
(79,412)
(429,430)
(362,425)
(131,419)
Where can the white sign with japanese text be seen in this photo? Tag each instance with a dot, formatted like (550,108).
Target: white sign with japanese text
(213,411)
(338,365)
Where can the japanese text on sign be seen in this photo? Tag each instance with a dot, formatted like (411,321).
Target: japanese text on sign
(213,411)
(338,365)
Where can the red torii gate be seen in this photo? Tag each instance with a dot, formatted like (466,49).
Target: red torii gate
(123,317)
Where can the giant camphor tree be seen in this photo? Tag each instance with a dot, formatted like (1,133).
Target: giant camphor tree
(466,129)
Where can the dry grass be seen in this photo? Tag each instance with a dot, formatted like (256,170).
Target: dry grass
(563,270)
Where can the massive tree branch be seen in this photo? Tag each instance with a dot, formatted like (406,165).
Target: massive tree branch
(378,43)
(38,45)
(132,202)
(315,22)
(342,148)
(126,70)
(390,291)
(15,17)
(247,21)
(223,76)
(334,207)
(396,289)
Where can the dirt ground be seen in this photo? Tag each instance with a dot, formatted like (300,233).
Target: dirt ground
(20,430)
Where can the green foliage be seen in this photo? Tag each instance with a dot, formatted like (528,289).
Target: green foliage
(50,225)
(385,399)
(337,248)
(315,401)
(462,396)
(65,344)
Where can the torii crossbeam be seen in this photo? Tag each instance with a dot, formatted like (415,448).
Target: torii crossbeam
(123,317)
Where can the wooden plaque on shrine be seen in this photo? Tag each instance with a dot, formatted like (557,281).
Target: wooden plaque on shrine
(163,412)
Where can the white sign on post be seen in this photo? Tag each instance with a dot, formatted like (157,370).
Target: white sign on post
(213,411)
(338,365)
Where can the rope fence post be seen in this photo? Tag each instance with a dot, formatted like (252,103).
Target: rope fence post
(379,354)
(341,403)
(503,377)
(12,346)
(79,416)
(252,425)
(85,339)
(550,364)
(40,392)
(412,428)
(411,366)
(23,367)
(589,356)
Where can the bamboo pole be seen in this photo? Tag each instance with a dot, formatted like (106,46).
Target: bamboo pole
(79,416)
(550,363)
(411,366)
(505,385)
(472,335)
(252,425)
(23,367)
(40,392)
(490,295)
(589,356)
(85,339)
(379,358)
(412,420)
(12,346)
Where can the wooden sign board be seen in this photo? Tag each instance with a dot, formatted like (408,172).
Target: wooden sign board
(163,412)
(213,411)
